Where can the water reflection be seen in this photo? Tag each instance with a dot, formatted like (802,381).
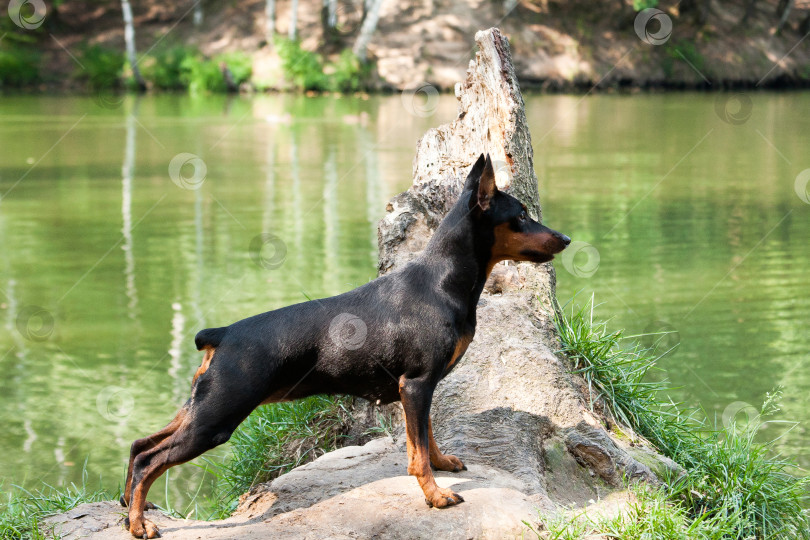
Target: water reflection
(317,173)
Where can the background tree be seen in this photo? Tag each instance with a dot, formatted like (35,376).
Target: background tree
(293,19)
(368,28)
(129,39)
(270,16)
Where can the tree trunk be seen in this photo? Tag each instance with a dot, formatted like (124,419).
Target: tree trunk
(785,7)
(270,20)
(292,33)
(750,7)
(489,408)
(129,39)
(367,30)
(329,20)
(198,13)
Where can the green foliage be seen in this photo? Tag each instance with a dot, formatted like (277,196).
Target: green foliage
(639,5)
(22,511)
(650,515)
(350,74)
(164,68)
(102,66)
(240,64)
(19,65)
(200,74)
(732,483)
(177,68)
(275,439)
(303,68)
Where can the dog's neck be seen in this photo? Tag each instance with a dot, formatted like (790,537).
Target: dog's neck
(462,257)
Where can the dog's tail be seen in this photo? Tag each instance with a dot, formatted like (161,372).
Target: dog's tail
(210,337)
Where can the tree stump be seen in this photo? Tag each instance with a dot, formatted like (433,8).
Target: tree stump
(511,403)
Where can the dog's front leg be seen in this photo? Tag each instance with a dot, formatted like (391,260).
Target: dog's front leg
(416,395)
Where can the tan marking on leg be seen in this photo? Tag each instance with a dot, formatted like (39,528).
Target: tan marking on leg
(419,464)
(147,443)
(443,462)
(206,361)
(461,348)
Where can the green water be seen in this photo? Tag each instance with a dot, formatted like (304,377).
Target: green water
(110,265)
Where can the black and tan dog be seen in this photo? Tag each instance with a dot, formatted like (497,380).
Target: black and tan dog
(418,322)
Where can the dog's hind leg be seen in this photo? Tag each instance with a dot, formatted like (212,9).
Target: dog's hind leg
(147,443)
(442,462)
(416,395)
(203,427)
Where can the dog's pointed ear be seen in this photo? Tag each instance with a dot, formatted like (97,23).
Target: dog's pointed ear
(475,173)
(486,185)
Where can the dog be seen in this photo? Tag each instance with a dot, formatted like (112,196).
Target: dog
(418,322)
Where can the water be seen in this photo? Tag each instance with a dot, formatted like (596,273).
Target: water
(110,265)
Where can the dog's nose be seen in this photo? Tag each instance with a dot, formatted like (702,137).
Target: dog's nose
(565,239)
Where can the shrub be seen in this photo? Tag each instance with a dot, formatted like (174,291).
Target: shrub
(350,75)
(102,66)
(164,69)
(240,64)
(19,65)
(304,69)
(200,74)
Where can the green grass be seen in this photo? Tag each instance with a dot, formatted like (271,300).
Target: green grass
(734,486)
(650,514)
(275,439)
(22,511)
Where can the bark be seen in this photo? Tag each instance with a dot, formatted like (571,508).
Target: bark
(270,19)
(785,7)
(129,39)
(367,30)
(511,402)
(198,13)
(292,33)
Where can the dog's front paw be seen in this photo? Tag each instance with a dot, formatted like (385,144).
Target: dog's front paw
(144,529)
(442,498)
(450,463)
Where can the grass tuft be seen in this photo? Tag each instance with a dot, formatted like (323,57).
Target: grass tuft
(22,511)
(275,439)
(734,486)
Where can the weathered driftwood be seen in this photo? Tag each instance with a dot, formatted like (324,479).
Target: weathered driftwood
(511,403)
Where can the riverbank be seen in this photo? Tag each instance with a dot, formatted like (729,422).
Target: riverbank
(557,46)
(731,486)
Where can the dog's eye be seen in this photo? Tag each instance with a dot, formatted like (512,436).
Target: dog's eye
(523,216)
